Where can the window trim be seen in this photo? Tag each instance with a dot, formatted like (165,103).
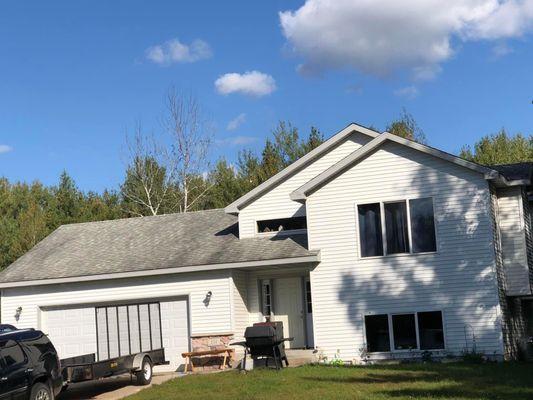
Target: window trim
(382,203)
(270,283)
(391,331)
(279,233)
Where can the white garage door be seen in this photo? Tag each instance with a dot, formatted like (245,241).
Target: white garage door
(73,330)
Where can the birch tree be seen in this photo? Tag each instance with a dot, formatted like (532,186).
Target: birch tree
(190,135)
(149,176)
(167,172)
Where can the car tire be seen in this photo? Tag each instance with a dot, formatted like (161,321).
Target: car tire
(144,375)
(40,391)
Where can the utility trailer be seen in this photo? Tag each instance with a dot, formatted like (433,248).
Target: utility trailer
(129,339)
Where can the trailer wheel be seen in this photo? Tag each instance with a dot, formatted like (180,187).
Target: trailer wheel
(144,375)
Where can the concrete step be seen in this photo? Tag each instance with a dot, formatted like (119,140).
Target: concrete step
(299,357)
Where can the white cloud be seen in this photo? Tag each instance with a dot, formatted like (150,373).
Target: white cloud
(252,83)
(236,140)
(409,92)
(379,37)
(236,122)
(174,51)
(4,148)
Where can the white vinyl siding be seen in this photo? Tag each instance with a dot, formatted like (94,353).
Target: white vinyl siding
(277,204)
(241,317)
(212,319)
(513,238)
(459,278)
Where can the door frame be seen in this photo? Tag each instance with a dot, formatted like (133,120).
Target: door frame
(272,281)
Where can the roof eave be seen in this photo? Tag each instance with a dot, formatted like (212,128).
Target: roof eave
(312,258)
(303,191)
(235,207)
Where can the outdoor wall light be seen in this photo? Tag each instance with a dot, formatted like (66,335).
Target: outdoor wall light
(207,299)
(18,311)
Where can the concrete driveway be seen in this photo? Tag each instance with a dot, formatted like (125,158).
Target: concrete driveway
(113,388)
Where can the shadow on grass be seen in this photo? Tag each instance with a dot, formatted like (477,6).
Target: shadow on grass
(451,381)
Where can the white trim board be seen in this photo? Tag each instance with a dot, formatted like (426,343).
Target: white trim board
(303,191)
(315,258)
(296,166)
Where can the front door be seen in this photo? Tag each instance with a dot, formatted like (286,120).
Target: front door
(288,308)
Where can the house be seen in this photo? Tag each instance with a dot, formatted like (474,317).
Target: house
(368,246)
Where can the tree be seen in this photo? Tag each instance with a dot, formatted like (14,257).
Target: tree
(406,127)
(500,148)
(191,140)
(149,175)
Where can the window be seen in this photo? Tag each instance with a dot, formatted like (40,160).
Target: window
(282,224)
(308,301)
(430,330)
(404,330)
(409,331)
(11,354)
(396,227)
(370,230)
(422,225)
(408,226)
(377,332)
(266,292)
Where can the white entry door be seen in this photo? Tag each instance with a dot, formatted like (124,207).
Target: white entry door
(288,308)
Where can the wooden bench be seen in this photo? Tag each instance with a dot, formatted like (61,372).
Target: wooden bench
(227,352)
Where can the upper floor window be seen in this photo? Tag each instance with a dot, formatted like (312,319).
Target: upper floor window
(406,226)
(281,224)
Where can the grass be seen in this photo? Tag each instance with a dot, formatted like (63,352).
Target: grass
(509,381)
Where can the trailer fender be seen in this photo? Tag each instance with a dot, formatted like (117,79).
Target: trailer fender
(137,361)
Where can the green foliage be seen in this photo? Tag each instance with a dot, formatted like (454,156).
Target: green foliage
(29,212)
(500,148)
(405,126)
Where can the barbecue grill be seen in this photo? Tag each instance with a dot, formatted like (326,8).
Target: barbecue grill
(264,342)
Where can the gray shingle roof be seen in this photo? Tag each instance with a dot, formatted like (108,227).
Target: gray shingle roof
(148,243)
(517,171)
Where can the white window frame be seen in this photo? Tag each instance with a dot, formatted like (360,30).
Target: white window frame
(384,228)
(391,331)
(262,284)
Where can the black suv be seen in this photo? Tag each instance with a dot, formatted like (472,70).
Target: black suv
(29,366)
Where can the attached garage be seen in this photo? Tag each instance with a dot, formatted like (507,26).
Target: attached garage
(87,276)
(113,330)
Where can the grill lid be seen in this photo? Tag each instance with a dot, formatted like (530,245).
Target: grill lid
(259,331)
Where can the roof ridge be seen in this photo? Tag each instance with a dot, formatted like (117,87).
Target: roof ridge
(104,221)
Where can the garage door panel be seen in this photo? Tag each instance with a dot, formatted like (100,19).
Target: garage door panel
(73,330)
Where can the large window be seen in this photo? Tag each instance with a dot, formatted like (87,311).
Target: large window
(281,224)
(407,331)
(377,332)
(408,226)
(370,230)
(431,332)
(404,331)
(422,225)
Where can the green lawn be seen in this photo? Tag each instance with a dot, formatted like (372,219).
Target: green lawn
(410,381)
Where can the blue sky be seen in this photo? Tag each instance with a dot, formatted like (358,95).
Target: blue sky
(75,76)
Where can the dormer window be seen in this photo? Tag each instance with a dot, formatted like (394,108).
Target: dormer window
(289,225)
